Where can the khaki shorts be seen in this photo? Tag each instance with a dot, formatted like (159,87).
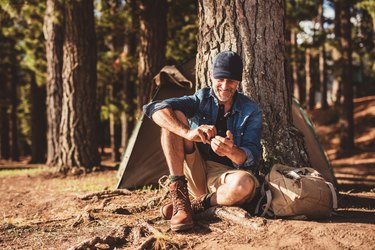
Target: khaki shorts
(206,176)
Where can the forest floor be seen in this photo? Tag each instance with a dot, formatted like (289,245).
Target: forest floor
(41,210)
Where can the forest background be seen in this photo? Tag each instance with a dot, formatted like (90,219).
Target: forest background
(121,45)
(74,75)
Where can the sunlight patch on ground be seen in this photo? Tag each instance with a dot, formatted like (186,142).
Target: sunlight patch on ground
(23,172)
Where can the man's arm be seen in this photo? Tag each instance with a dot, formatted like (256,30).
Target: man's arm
(167,119)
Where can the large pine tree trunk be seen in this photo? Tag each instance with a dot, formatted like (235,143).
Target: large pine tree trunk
(38,122)
(255,29)
(152,44)
(78,126)
(53,33)
(347,122)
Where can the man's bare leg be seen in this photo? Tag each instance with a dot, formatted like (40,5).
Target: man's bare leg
(174,148)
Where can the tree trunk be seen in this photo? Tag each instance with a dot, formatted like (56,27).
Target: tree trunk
(338,62)
(78,127)
(53,33)
(4,120)
(347,122)
(129,53)
(152,45)
(294,61)
(4,134)
(13,116)
(114,133)
(322,58)
(255,29)
(38,122)
(310,89)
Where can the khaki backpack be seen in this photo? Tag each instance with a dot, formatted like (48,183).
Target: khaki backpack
(297,192)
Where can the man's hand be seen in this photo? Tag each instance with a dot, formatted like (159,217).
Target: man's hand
(223,146)
(203,134)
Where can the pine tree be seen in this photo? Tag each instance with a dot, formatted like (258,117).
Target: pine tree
(256,31)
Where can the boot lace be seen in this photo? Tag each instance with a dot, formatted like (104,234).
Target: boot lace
(180,197)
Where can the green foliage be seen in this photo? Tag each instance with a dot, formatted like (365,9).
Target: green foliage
(113,26)
(368,5)
(23,49)
(182,31)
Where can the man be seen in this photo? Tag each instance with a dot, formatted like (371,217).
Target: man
(213,139)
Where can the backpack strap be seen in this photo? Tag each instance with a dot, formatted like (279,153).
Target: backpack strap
(334,195)
(264,194)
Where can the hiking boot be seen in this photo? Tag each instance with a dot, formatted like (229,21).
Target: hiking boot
(197,207)
(181,218)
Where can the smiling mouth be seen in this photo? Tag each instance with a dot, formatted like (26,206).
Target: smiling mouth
(226,90)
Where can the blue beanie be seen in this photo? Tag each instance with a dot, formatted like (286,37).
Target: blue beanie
(227,65)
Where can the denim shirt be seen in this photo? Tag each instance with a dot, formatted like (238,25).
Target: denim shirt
(244,122)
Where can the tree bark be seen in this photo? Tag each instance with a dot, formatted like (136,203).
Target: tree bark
(78,126)
(294,61)
(346,121)
(310,87)
(53,32)
(322,57)
(38,122)
(129,85)
(255,29)
(14,104)
(4,120)
(338,62)
(152,45)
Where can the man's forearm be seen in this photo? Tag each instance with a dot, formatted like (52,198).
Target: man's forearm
(237,155)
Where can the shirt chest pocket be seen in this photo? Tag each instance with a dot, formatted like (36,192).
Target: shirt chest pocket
(238,134)
(205,118)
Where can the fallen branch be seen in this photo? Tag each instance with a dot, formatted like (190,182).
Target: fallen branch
(105,194)
(238,217)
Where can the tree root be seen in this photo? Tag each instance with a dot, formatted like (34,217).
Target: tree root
(52,220)
(114,239)
(85,216)
(105,194)
(149,204)
(235,215)
(158,240)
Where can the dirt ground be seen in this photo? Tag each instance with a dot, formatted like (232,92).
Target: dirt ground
(41,210)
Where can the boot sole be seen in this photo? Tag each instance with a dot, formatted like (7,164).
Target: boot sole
(181,227)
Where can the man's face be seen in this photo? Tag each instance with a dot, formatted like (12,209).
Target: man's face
(224,89)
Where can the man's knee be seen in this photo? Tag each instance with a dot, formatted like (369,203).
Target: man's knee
(242,186)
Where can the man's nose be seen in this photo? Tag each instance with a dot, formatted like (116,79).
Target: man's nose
(225,83)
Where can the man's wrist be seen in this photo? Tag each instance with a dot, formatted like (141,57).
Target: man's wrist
(237,155)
